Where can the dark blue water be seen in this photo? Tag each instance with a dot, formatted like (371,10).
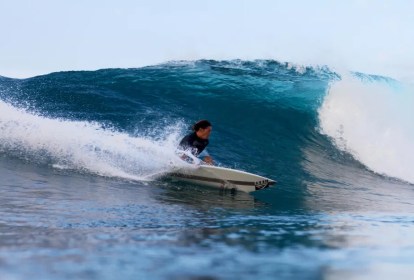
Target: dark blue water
(76,149)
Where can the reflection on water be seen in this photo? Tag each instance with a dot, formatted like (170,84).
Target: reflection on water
(64,225)
(204,197)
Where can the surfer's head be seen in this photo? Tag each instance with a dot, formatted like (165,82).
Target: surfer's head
(202,129)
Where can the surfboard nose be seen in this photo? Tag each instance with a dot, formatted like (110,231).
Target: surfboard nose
(262,184)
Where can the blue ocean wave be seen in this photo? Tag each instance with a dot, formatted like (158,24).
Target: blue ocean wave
(77,149)
(266,115)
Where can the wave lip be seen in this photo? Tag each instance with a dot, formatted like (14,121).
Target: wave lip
(373,120)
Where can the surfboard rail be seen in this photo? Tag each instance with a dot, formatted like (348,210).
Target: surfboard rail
(222,177)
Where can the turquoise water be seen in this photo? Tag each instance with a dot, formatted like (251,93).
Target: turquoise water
(76,149)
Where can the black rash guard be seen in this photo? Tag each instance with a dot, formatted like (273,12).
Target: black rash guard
(193,143)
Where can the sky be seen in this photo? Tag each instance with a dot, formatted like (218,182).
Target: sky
(43,36)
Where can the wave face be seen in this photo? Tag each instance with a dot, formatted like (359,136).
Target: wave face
(291,123)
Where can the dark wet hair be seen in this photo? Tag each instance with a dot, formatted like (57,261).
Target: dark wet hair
(201,124)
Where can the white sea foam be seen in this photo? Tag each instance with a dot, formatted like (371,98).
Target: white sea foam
(85,146)
(374,121)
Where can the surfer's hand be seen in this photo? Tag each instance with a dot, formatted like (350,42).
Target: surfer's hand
(208,160)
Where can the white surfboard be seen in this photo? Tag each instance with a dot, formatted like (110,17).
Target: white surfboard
(221,177)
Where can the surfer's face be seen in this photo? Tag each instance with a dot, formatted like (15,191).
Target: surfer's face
(204,133)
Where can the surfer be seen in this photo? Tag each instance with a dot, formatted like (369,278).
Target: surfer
(197,141)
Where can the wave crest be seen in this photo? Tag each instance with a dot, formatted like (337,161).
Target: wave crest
(373,120)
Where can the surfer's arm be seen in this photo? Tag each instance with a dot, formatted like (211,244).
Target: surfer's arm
(206,157)
(208,160)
